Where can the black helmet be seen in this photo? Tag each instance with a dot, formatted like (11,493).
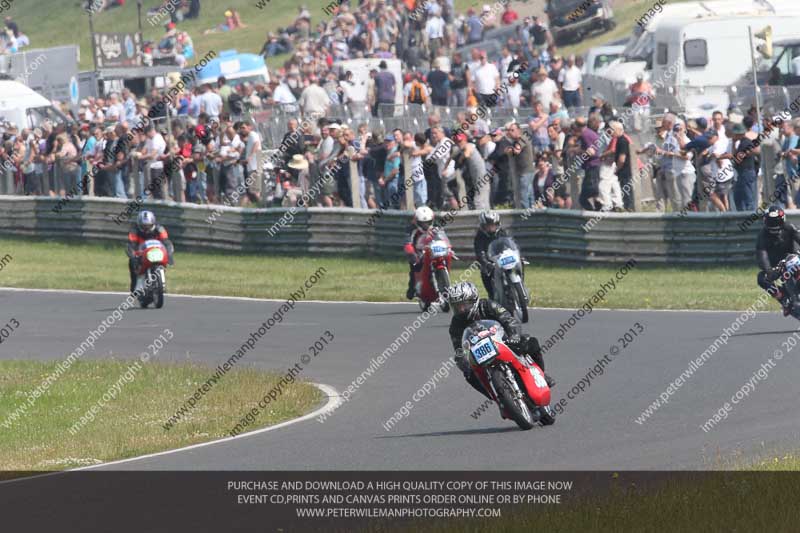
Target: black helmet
(774,219)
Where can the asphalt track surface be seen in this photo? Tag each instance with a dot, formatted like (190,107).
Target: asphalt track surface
(596,431)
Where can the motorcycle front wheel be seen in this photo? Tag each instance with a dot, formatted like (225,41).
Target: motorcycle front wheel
(521,302)
(517,408)
(158,290)
(442,284)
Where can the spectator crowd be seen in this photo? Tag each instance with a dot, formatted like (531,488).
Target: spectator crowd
(562,140)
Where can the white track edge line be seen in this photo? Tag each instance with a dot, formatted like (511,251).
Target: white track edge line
(250,299)
(333,403)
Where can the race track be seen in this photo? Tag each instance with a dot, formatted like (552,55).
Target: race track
(597,430)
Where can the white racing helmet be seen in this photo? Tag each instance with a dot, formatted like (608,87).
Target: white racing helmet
(423,217)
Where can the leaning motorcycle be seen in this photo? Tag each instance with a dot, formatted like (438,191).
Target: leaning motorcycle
(433,278)
(152,281)
(789,270)
(509,277)
(515,383)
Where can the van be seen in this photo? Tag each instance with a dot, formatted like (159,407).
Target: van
(639,50)
(704,57)
(25,107)
(570,20)
(361,68)
(237,69)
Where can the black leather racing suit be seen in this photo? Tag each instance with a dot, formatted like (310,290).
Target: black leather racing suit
(770,250)
(488,310)
(481,244)
(136,237)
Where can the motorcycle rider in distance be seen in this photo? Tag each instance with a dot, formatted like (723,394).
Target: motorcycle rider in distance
(145,229)
(775,241)
(488,231)
(420,225)
(467,308)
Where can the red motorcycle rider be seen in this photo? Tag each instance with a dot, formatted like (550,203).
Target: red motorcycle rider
(467,308)
(420,225)
(145,229)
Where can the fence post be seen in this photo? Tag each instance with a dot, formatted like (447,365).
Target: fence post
(8,182)
(408,179)
(515,185)
(768,153)
(636,178)
(355,184)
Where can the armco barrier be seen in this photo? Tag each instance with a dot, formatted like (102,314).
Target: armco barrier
(699,238)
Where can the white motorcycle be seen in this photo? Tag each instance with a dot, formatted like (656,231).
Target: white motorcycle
(509,277)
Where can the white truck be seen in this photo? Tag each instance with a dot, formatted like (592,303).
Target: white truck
(25,107)
(639,50)
(708,55)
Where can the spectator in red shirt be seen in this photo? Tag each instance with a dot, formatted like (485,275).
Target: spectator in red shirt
(509,15)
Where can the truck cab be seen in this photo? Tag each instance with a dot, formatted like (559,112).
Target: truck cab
(570,20)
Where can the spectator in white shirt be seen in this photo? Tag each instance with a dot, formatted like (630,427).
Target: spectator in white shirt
(210,103)
(487,81)
(434,29)
(314,100)
(571,81)
(544,89)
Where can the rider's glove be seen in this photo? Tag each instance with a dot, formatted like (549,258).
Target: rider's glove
(773,274)
(514,340)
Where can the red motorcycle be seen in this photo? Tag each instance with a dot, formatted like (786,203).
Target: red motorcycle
(152,281)
(516,383)
(433,278)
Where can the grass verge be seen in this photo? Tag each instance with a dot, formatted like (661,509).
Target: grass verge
(130,424)
(103,267)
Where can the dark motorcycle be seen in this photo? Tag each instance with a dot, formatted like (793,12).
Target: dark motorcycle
(509,277)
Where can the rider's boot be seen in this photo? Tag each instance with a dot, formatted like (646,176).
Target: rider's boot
(538,358)
(411,291)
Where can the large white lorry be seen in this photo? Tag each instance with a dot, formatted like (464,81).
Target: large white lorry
(639,50)
(25,107)
(704,57)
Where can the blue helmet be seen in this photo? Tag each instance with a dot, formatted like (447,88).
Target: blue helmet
(146,221)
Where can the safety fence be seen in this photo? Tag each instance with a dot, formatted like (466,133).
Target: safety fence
(555,235)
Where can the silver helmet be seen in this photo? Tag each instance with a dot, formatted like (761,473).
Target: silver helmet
(463,298)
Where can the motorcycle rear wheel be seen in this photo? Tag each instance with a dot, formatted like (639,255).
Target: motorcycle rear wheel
(517,408)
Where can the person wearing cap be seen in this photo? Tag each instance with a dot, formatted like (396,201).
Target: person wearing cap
(698,148)
(743,154)
(640,97)
(500,159)
(385,87)
(389,179)
(297,186)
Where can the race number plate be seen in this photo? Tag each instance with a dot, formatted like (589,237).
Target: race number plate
(507,260)
(484,351)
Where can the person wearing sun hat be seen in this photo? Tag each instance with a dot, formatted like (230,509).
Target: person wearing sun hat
(296,187)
